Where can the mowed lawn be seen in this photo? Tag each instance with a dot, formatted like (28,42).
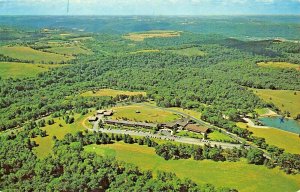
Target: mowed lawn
(283,65)
(193,51)
(285,100)
(239,175)
(146,113)
(19,70)
(46,143)
(29,54)
(111,93)
(286,140)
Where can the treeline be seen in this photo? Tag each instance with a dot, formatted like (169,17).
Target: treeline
(69,168)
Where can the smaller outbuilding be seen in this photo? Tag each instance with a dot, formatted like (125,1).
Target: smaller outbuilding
(93,119)
(108,113)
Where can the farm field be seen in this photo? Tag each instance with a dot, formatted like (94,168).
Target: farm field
(283,65)
(151,34)
(286,140)
(12,69)
(194,51)
(46,143)
(239,175)
(29,54)
(285,100)
(146,113)
(111,93)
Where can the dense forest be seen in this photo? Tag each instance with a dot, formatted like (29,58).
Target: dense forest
(217,81)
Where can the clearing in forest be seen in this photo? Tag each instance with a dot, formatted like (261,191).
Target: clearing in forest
(12,69)
(69,50)
(239,175)
(284,65)
(28,54)
(45,144)
(141,113)
(285,100)
(151,34)
(111,93)
(193,51)
(283,139)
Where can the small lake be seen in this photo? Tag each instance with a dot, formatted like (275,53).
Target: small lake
(289,125)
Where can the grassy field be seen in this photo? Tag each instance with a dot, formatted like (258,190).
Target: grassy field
(146,114)
(192,113)
(218,136)
(151,34)
(239,175)
(194,51)
(27,53)
(111,93)
(283,65)
(286,140)
(146,51)
(12,69)
(46,143)
(69,50)
(285,100)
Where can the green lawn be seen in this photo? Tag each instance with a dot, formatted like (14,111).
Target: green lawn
(27,53)
(111,93)
(46,143)
(192,113)
(285,100)
(284,65)
(218,136)
(286,140)
(239,175)
(189,134)
(19,70)
(194,51)
(147,113)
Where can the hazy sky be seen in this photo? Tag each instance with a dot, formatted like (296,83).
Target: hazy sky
(149,7)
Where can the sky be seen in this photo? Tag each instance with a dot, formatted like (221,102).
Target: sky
(150,7)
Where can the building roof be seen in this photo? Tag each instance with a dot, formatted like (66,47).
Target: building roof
(108,112)
(131,123)
(93,118)
(196,128)
(101,111)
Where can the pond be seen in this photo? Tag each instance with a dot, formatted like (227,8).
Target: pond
(289,125)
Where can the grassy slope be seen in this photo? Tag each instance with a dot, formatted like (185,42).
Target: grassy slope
(70,50)
(110,92)
(46,143)
(239,175)
(146,114)
(283,65)
(285,100)
(12,69)
(286,140)
(194,51)
(27,53)
(192,113)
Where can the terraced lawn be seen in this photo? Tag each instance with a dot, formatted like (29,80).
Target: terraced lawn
(239,175)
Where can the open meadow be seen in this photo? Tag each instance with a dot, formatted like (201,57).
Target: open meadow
(151,34)
(111,93)
(141,113)
(283,139)
(283,65)
(239,175)
(285,100)
(12,69)
(28,54)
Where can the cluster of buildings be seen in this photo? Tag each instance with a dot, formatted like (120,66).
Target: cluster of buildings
(182,124)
